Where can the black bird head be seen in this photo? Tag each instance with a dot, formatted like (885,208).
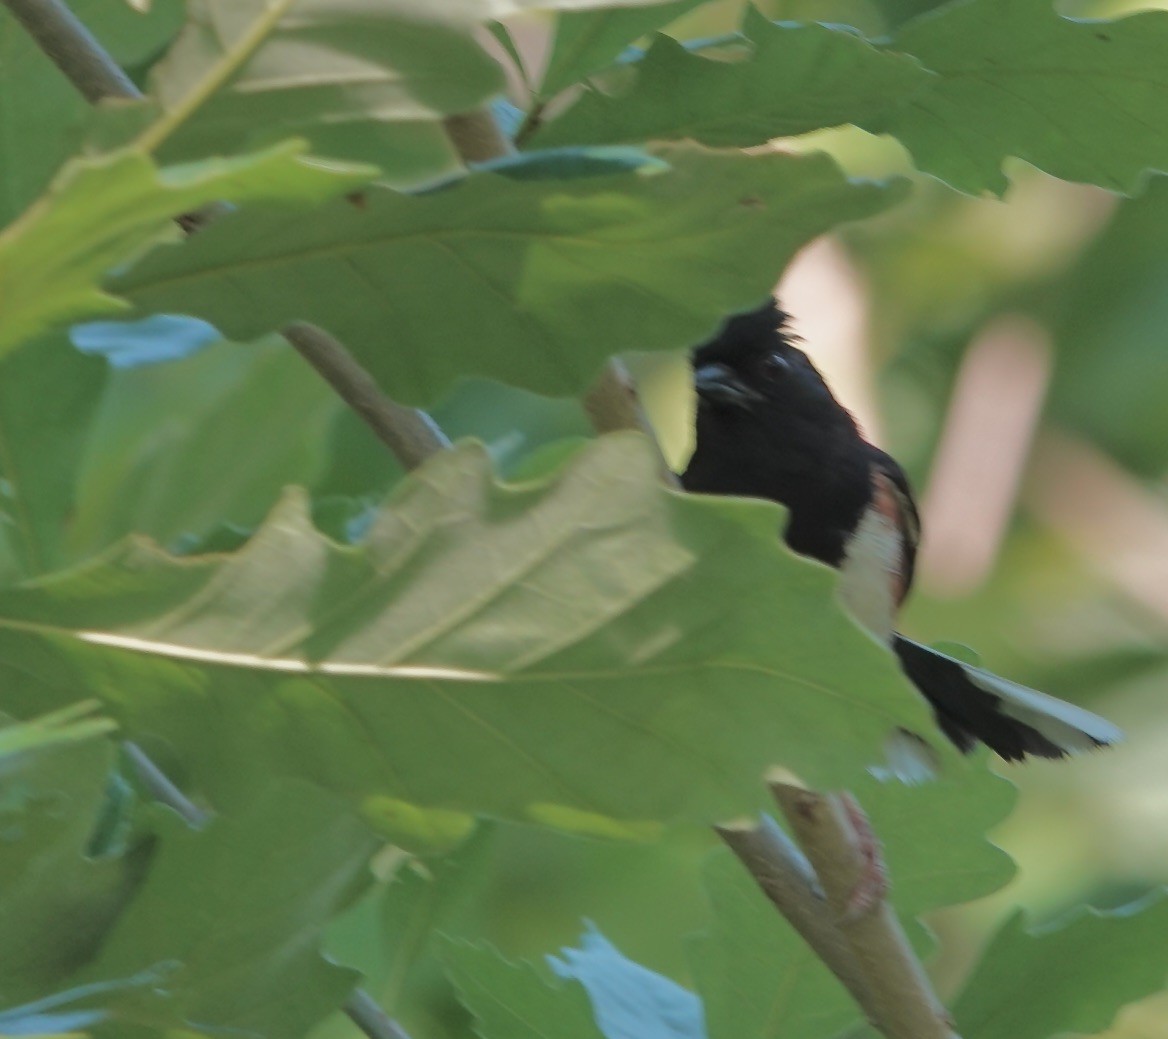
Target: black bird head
(752,366)
(769,427)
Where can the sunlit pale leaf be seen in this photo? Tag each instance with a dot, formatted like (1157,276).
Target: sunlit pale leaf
(100,212)
(41,112)
(592,649)
(359,79)
(530,281)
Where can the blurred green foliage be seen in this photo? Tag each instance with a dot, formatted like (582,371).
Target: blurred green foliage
(130,924)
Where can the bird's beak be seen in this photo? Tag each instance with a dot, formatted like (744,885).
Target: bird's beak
(719,385)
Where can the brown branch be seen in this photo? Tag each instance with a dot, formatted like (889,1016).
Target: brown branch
(410,434)
(785,876)
(845,856)
(476,136)
(612,404)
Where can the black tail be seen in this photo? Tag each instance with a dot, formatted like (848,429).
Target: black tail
(974,706)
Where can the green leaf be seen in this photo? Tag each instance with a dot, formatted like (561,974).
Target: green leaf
(511,423)
(41,113)
(183,448)
(512,1001)
(897,12)
(588,41)
(532,282)
(428,896)
(590,649)
(236,912)
(68,725)
(514,426)
(1073,977)
(798,78)
(1118,295)
(49,393)
(55,904)
(1081,100)
(934,836)
(100,212)
(361,80)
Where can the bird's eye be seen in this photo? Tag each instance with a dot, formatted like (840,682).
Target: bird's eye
(776,362)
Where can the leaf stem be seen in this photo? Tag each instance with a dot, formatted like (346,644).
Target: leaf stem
(532,121)
(216,77)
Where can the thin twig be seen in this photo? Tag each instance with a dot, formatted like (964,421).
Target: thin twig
(845,856)
(162,789)
(410,434)
(71,47)
(364,1012)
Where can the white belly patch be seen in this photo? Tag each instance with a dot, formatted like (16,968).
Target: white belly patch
(871,574)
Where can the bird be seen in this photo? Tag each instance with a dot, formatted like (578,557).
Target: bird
(768,426)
